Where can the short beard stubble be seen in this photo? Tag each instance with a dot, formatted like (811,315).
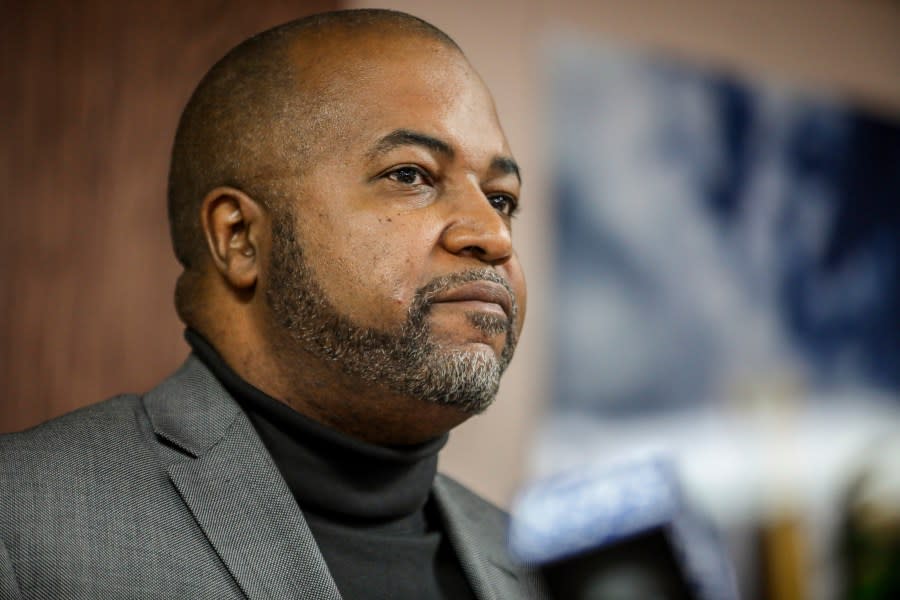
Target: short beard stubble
(406,359)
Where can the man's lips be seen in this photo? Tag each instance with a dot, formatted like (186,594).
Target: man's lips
(478,291)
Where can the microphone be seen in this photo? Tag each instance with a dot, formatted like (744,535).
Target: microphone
(620,532)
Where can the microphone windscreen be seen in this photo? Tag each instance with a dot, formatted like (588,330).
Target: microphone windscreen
(619,531)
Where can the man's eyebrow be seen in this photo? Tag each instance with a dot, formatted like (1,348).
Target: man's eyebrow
(407,137)
(504,164)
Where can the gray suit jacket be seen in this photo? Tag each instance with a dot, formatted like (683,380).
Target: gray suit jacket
(173,495)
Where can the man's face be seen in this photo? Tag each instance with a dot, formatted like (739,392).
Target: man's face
(395,257)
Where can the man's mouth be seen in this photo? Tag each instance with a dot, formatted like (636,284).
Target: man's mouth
(480,295)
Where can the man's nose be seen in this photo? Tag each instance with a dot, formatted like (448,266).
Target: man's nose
(475,228)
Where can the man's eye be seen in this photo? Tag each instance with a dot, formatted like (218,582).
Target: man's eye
(504,203)
(407,176)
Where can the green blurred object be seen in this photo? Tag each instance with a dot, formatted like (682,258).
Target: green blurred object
(870,540)
(872,559)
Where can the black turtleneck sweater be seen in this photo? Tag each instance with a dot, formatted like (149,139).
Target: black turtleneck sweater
(369,507)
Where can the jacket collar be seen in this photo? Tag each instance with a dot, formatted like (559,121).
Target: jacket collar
(484,558)
(228,481)
(191,410)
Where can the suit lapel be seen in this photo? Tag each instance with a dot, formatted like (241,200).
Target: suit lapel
(478,533)
(234,491)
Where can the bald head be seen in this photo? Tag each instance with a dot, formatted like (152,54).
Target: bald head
(259,113)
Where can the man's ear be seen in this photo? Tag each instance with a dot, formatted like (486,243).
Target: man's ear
(233,224)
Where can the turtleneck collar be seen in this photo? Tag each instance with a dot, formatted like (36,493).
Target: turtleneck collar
(332,475)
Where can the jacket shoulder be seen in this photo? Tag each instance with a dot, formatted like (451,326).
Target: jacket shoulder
(88,509)
(83,427)
(70,452)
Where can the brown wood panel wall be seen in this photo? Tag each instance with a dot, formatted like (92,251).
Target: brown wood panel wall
(91,93)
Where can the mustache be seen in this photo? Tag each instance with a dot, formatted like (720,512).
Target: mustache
(425,295)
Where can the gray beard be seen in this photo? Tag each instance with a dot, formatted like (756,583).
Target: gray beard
(406,360)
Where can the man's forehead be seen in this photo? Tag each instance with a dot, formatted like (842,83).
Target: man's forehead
(357,89)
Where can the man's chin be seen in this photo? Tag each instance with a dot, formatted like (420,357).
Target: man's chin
(467,339)
(490,348)
(467,377)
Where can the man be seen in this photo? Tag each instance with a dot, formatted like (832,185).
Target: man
(340,197)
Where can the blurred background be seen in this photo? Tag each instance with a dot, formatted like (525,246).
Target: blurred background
(709,229)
